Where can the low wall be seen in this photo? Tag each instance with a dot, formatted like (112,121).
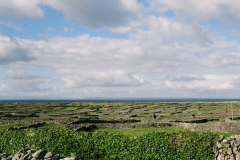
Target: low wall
(228,148)
(221,127)
(115,125)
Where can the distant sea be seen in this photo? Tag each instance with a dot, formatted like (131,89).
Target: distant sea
(119,100)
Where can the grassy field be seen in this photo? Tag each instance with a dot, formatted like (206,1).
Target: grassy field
(136,132)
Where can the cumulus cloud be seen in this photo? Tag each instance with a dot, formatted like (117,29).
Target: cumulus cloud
(20,75)
(105,79)
(211,82)
(26,8)
(11,51)
(225,10)
(156,46)
(166,30)
(98,13)
(85,61)
(184,78)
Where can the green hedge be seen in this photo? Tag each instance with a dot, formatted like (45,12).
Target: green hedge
(103,145)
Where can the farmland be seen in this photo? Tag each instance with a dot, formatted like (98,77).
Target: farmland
(126,130)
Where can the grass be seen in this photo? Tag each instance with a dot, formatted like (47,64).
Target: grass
(69,109)
(136,132)
(7,126)
(52,125)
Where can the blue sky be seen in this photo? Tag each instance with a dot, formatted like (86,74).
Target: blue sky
(119,48)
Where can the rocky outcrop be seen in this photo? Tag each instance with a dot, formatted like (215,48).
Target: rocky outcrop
(36,155)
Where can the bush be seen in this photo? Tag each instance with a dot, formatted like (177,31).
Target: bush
(104,145)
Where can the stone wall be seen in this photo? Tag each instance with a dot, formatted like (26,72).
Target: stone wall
(221,127)
(36,155)
(86,126)
(228,148)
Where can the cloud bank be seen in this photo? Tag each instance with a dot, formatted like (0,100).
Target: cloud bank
(161,56)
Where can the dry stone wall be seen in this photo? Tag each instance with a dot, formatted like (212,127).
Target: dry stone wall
(227,149)
(36,155)
(221,127)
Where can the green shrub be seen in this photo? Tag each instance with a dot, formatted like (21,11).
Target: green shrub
(104,145)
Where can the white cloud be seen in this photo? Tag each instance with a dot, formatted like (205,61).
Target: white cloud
(98,13)
(65,29)
(121,29)
(4,88)
(11,25)
(211,82)
(50,29)
(183,78)
(95,66)
(235,32)
(11,74)
(26,8)
(226,11)
(11,51)
(106,79)
(131,5)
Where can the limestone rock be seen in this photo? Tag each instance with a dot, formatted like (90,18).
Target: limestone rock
(226,145)
(38,154)
(216,154)
(229,151)
(237,143)
(232,143)
(238,156)
(221,157)
(235,151)
(219,145)
(221,137)
(225,141)
(31,151)
(220,151)
(226,157)
(18,155)
(232,137)
(56,157)
(3,154)
(224,151)
(237,137)
(231,157)
(48,155)
(26,157)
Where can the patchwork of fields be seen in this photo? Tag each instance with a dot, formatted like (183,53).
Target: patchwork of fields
(121,120)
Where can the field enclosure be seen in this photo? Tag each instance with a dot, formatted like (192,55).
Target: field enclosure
(50,126)
(59,113)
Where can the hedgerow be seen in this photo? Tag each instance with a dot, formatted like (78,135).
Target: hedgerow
(104,145)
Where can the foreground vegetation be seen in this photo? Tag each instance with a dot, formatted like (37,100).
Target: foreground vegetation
(114,143)
(104,145)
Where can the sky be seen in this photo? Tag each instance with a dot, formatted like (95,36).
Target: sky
(73,49)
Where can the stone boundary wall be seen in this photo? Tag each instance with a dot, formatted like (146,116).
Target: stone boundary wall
(119,125)
(228,148)
(87,126)
(84,120)
(221,127)
(36,155)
